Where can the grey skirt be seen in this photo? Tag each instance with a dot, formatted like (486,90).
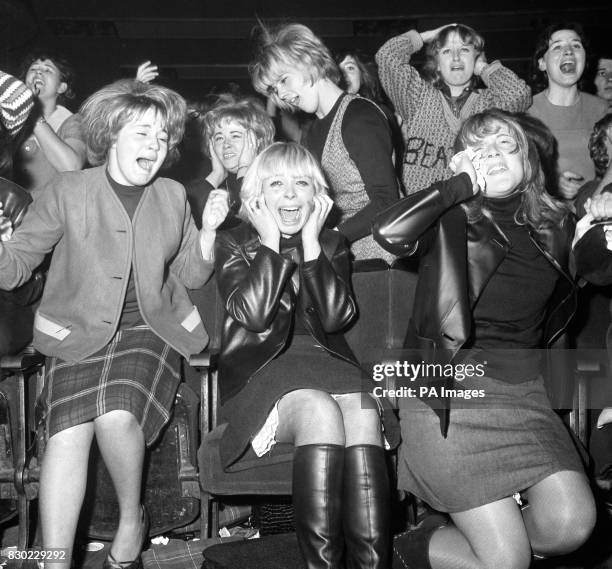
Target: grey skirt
(497,445)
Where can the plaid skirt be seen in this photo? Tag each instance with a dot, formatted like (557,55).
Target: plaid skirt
(136,372)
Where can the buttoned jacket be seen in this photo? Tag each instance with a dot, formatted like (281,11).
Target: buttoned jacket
(79,218)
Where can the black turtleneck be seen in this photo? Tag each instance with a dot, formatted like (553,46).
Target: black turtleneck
(510,312)
(130,198)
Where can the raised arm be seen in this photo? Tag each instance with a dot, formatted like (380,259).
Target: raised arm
(401,81)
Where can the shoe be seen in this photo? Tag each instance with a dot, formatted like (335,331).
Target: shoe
(317,499)
(111,563)
(366,508)
(411,548)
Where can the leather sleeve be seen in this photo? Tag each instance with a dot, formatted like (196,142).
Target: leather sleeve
(399,228)
(593,259)
(251,289)
(328,291)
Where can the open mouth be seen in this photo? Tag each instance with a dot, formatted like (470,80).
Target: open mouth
(145,164)
(496,170)
(229,156)
(289,215)
(568,67)
(457,67)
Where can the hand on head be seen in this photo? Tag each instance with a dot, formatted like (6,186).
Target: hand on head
(263,221)
(468,162)
(249,152)
(429,35)
(321,206)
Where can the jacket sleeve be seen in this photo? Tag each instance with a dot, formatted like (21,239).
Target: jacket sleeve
(327,284)
(42,227)
(251,289)
(400,80)
(592,258)
(505,90)
(189,265)
(399,228)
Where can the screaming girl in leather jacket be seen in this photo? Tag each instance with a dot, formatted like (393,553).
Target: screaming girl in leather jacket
(286,374)
(493,283)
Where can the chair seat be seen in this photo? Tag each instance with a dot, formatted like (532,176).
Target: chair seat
(270,474)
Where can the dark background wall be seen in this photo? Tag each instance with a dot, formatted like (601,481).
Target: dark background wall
(202,45)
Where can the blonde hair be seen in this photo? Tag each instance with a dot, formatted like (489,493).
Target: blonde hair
(290,47)
(280,158)
(109,109)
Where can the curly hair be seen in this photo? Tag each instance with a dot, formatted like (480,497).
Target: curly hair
(290,47)
(67,73)
(248,113)
(597,144)
(468,36)
(539,78)
(281,157)
(108,110)
(538,208)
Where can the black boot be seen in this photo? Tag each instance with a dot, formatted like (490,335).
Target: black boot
(366,508)
(317,499)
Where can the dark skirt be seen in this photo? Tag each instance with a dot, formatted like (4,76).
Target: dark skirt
(304,365)
(496,446)
(136,372)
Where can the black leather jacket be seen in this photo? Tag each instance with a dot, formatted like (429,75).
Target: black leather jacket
(255,284)
(457,259)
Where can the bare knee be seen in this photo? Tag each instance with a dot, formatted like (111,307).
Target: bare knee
(361,419)
(308,416)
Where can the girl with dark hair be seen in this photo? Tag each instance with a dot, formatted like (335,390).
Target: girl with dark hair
(433,107)
(558,65)
(350,135)
(115,315)
(56,142)
(603,79)
(493,288)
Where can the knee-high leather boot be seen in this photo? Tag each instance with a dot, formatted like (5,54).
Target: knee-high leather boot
(317,500)
(366,507)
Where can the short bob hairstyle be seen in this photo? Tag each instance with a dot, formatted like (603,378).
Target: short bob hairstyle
(468,36)
(290,47)
(539,78)
(538,208)
(597,144)
(108,110)
(67,74)
(248,113)
(280,158)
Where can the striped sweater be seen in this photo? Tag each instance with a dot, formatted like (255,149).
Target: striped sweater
(430,126)
(16,102)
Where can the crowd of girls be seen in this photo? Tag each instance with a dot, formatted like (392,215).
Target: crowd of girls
(489,213)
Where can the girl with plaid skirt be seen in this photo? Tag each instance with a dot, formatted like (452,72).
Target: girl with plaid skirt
(115,315)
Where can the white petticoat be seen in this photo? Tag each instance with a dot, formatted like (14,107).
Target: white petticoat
(265,438)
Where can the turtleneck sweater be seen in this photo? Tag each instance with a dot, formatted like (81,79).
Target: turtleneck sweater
(509,315)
